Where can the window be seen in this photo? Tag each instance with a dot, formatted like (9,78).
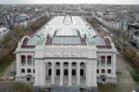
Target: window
(33,62)
(23,59)
(66,63)
(108,60)
(22,70)
(33,70)
(103,79)
(29,58)
(82,63)
(49,63)
(102,60)
(97,77)
(97,71)
(109,71)
(57,63)
(73,63)
(81,72)
(58,72)
(73,72)
(28,79)
(102,71)
(66,72)
(49,72)
(29,70)
(97,62)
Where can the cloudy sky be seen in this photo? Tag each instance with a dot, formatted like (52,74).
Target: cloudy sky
(69,1)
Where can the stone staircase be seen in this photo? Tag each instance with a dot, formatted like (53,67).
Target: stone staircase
(65,88)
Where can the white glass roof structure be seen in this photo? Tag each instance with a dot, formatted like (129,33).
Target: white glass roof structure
(67,32)
(60,33)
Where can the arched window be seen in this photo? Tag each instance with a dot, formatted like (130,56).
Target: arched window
(23,59)
(29,71)
(49,72)
(81,72)
(29,59)
(109,71)
(103,71)
(73,72)
(108,60)
(22,70)
(58,72)
(66,72)
(102,60)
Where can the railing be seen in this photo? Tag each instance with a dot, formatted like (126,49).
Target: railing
(29,63)
(23,62)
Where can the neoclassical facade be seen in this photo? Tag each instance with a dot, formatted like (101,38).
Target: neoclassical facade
(66,51)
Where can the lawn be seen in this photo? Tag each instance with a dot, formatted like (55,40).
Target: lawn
(3,67)
(107,87)
(16,86)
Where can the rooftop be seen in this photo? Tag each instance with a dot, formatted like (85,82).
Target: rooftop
(74,32)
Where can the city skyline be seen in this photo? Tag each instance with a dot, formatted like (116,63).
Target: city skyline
(69,2)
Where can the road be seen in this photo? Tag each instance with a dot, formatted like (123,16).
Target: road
(125,80)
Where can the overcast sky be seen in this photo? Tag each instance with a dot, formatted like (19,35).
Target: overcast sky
(69,1)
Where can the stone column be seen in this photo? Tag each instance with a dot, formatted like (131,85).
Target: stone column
(78,73)
(113,59)
(52,75)
(18,64)
(91,73)
(61,73)
(26,64)
(42,73)
(105,60)
(69,74)
(36,73)
(99,61)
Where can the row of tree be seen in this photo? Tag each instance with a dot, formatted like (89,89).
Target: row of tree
(120,38)
(10,40)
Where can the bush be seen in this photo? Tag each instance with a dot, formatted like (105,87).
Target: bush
(134,76)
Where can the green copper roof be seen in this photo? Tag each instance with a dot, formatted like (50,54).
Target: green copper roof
(41,39)
(90,39)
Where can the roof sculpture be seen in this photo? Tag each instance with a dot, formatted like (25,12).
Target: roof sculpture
(41,39)
(90,39)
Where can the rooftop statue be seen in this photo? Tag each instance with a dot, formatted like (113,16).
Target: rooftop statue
(41,39)
(90,39)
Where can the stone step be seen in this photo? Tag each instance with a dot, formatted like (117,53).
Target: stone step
(65,89)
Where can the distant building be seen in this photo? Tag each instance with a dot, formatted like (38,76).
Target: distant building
(137,16)
(112,15)
(3,32)
(134,34)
